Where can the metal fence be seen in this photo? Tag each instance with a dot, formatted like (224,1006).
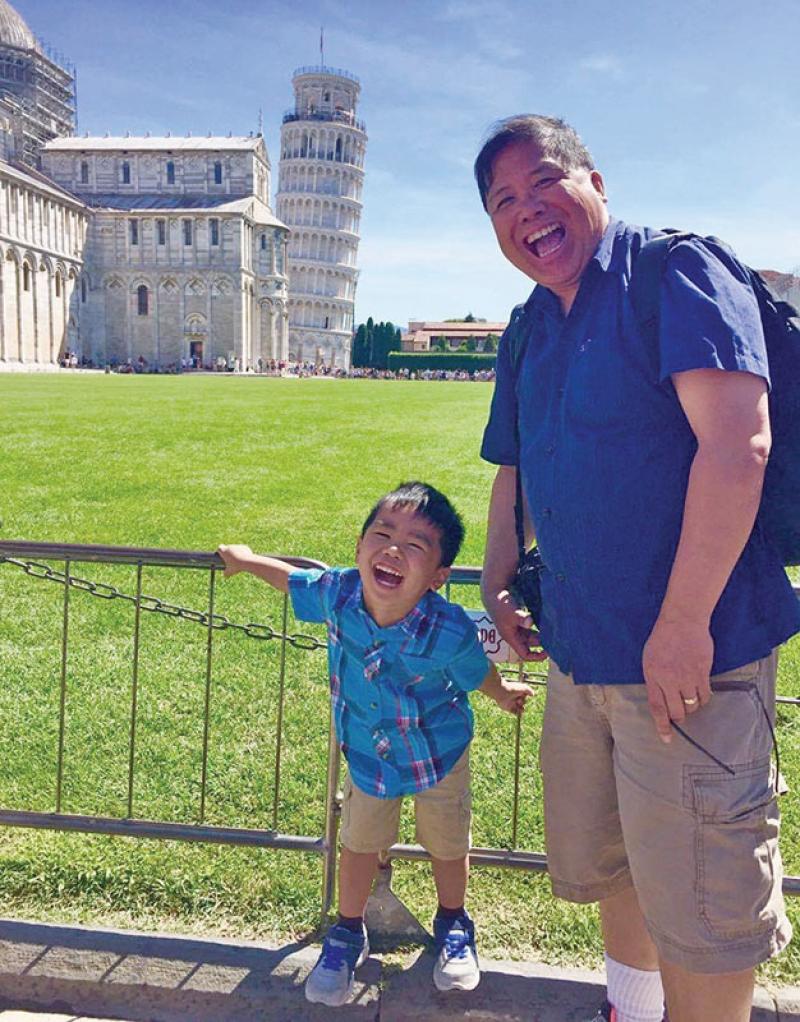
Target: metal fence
(36,561)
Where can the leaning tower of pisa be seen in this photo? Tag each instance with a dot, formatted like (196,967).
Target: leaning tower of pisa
(320,179)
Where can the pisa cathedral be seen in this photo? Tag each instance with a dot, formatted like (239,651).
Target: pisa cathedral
(165,250)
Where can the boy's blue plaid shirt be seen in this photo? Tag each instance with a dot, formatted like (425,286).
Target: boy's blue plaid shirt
(399,694)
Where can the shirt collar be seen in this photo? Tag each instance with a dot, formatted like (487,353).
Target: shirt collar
(544,301)
(414,624)
(605,250)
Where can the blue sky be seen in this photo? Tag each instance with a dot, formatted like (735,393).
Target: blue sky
(691,110)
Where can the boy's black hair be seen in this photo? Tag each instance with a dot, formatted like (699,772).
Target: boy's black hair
(430,504)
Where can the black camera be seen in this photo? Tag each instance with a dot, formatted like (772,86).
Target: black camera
(526,587)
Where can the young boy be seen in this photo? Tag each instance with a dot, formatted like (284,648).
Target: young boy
(401,660)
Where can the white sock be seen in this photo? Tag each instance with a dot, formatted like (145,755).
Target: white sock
(637,994)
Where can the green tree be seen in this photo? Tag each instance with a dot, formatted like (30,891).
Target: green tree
(360,352)
(373,342)
(490,343)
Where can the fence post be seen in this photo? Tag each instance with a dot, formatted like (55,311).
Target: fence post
(332,809)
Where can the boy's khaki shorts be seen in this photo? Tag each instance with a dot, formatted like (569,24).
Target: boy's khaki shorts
(699,845)
(443,816)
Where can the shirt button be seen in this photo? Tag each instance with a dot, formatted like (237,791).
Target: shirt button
(373,706)
(561,577)
(547,512)
(549,449)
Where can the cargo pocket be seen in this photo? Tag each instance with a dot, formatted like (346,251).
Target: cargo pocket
(736,841)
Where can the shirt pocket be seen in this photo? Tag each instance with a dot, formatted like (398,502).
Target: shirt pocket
(412,668)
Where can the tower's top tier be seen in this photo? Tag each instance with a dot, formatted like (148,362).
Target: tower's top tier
(325,94)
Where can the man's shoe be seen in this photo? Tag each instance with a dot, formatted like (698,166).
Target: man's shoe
(457,960)
(331,980)
(608,1013)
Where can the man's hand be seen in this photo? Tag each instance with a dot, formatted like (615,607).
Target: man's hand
(234,557)
(515,625)
(677,666)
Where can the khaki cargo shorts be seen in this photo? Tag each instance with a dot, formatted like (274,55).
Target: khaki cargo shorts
(442,813)
(698,843)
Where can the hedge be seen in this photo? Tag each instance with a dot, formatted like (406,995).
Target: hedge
(419,361)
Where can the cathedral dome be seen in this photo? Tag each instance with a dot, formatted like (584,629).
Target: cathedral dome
(13,30)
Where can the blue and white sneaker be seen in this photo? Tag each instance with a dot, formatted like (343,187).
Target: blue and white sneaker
(457,960)
(331,980)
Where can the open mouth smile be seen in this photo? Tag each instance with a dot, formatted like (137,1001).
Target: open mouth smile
(546,241)
(386,577)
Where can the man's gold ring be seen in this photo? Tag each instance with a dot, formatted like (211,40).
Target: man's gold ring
(689,702)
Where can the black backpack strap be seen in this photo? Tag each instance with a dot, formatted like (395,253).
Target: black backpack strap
(518,340)
(645,285)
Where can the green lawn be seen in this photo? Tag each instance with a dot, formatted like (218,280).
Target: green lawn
(288,466)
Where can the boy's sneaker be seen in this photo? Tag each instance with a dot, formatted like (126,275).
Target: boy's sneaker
(331,980)
(457,960)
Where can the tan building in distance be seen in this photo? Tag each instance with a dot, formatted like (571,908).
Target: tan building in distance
(183,257)
(783,285)
(126,249)
(42,237)
(421,333)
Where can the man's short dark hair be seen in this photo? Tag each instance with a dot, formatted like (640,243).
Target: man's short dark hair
(430,504)
(557,140)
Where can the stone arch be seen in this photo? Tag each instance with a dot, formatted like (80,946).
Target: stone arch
(195,324)
(195,286)
(221,286)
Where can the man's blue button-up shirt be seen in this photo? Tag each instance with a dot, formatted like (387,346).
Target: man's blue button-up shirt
(399,693)
(605,452)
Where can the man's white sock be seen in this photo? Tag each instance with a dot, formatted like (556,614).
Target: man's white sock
(636,994)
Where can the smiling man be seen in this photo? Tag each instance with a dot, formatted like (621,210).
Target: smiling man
(641,468)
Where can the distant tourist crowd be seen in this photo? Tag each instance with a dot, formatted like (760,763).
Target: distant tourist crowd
(271,367)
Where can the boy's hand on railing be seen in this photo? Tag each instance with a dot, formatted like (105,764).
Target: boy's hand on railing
(512,696)
(509,695)
(234,556)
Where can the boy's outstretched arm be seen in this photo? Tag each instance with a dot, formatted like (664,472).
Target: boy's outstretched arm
(509,695)
(271,570)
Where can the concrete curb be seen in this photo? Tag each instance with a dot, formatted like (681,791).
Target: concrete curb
(74,974)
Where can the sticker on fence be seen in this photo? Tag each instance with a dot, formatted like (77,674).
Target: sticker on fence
(495,647)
